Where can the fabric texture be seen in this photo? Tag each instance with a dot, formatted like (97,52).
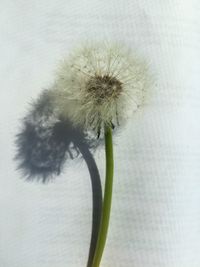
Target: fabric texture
(155,220)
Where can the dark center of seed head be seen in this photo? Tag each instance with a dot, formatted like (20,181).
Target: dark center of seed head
(104,88)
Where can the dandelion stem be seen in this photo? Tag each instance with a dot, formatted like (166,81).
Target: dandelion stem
(107,198)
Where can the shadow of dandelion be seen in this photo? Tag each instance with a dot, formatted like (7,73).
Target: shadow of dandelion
(46,142)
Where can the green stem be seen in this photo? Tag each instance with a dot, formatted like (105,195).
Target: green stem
(107,198)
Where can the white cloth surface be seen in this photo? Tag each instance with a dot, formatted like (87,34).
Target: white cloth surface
(155,219)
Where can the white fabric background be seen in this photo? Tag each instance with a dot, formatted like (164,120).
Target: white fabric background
(156,204)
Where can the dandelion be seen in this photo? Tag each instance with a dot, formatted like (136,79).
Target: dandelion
(100,84)
(98,87)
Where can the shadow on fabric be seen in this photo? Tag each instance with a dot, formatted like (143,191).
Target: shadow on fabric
(45,143)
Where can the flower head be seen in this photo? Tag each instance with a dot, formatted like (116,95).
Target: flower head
(100,84)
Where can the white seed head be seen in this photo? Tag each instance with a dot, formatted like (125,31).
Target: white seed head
(100,84)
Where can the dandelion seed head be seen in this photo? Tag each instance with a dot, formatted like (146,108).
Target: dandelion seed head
(100,84)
